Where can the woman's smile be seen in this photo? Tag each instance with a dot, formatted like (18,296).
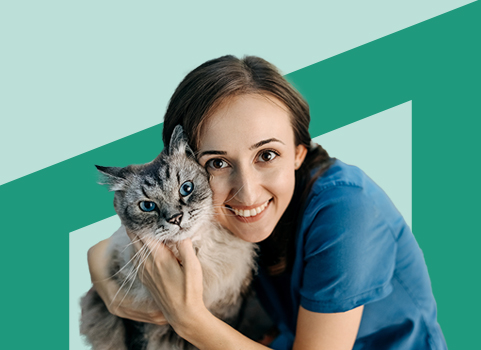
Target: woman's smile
(248,148)
(250,213)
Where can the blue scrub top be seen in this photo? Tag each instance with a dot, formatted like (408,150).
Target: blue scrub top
(354,248)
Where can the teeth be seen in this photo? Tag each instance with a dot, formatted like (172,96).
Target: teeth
(251,212)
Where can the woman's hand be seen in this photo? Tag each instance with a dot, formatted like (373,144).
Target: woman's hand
(175,283)
(116,301)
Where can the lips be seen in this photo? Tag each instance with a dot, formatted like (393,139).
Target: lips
(252,211)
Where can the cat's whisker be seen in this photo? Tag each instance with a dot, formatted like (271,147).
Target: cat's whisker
(140,252)
(217,214)
(146,255)
(135,274)
(121,269)
(235,194)
(132,278)
(133,257)
(129,276)
(143,268)
(131,243)
(127,263)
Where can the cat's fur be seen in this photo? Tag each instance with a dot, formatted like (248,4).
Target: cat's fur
(227,261)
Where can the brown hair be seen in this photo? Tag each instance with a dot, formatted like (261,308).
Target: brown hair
(206,87)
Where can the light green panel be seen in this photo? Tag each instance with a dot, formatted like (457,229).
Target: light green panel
(79,278)
(381,145)
(78,75)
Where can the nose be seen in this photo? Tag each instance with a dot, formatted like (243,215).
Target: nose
(175,219)
(245,186)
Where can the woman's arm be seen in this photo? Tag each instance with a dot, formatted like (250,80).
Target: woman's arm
(176,285)
(314,331)
(117,303)
(334,331)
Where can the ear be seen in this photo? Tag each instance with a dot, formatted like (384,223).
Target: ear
(178,142)
(301,152)
(114,177)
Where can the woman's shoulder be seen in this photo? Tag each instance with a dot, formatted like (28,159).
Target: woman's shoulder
(340,174)
(344,191)
(340,182)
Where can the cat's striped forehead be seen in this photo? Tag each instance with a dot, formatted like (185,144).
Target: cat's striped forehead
(163,177)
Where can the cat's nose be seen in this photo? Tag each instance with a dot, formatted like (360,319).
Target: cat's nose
(175,219)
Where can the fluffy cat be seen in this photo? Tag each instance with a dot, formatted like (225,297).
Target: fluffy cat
(168,199)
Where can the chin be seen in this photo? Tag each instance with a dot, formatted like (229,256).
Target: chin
(252,237)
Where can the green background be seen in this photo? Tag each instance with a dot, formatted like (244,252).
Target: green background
(434,64)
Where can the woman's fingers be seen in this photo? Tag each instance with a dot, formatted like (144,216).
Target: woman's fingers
(193,273)
(187,256)
(161,254)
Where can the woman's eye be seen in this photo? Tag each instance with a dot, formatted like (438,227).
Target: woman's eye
(147,206)
(186,188)
(216,163)
(267,156)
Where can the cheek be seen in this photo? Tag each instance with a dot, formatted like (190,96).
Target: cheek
(220,190)
(281,183)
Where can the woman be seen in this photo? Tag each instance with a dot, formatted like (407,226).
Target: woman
(338,269)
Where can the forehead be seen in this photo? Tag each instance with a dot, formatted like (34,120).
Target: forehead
(246,120)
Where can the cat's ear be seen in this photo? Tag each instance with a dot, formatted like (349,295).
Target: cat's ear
(178,142)
(114,177)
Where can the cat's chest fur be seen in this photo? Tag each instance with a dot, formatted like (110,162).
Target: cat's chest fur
(227,264)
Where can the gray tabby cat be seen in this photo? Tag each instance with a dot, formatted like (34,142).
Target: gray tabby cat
(168,199)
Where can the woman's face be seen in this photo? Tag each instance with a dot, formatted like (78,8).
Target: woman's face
(248,148)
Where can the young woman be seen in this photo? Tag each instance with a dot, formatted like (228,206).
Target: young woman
(338,269)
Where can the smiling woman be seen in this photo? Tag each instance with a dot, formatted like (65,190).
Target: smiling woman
(338,267)
(252,169)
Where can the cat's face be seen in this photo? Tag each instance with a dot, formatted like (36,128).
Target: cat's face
(166,199)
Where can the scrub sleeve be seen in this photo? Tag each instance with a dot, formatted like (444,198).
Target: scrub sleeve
(349,253)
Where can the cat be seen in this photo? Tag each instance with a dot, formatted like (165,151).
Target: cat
(168,199)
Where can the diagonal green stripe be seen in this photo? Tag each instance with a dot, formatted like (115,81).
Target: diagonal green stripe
(435,64)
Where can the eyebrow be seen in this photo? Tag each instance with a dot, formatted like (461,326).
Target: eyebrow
(253,147)
(211,152)
(263,142)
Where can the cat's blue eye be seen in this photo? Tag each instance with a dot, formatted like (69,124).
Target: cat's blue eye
(186,188)
(147,205)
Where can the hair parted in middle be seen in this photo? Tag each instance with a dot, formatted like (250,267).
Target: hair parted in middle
(214,82)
